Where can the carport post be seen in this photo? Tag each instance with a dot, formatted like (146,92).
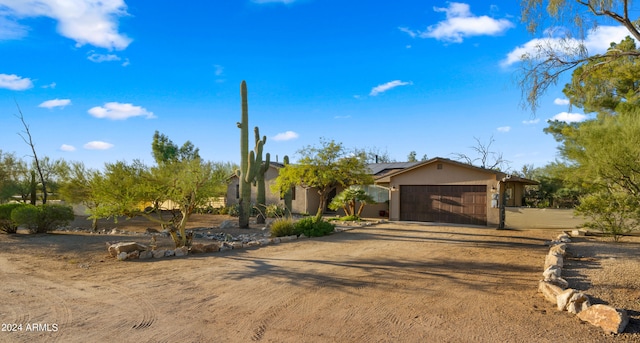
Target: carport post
(503,201)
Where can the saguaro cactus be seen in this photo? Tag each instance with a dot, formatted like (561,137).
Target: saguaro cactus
(287,196)
(248,166)
(261,197)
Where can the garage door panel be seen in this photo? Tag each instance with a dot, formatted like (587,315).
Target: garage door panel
(444,203)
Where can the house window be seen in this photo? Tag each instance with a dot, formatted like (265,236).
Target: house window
(439,166)
(379,194)
(238,191)
(293,194)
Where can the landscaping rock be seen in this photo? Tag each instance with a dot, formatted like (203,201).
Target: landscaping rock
(558,281)
(559,249)
(127,247)
(552,271)
(610,319)
(182,251)
(146,254)
(562,300)
(122,256)
(563,238)
(196,248)
(133,255)
(158,253)
(549,290)
(578,303)
(213,247)
(169,253)
(553,260)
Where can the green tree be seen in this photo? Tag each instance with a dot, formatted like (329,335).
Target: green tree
(164,150)
(183,179)
(555,56)
(614,213)
(412,157)
(79,185)
(323,167)
(11,171)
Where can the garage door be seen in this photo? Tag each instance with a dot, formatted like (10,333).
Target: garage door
(444,204)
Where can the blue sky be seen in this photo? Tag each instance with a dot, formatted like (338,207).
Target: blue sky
(95,79)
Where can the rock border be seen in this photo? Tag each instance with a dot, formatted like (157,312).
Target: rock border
(556,290)
(132,250)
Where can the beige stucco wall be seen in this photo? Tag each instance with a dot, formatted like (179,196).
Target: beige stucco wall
(271,197)
(450,174)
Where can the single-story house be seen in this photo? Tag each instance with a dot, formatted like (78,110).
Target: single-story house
(447,191)
(436,190)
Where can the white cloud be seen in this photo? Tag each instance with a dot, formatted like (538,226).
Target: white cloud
(504,129)
(561,102)
(51,85)
(55,103)
(66,147)
(99,58)
(93,22)
(119,111)
(98,145)
(596,42)
(285,136)
(219,70)
(11,30)
(15,82)
(569,117)
(387,86)
(460,23)
(531,122)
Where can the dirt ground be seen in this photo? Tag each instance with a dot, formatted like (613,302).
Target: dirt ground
(388,282)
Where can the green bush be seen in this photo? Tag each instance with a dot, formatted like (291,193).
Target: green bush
(6,224)
(350,219)
(43,218)
(615,214)
(275,211)
(234,210)
(310,228)
(283,227)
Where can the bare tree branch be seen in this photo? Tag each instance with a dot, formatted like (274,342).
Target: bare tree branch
(29,141)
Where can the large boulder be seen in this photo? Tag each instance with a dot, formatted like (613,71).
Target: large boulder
(553,260)
(550,291)
(572,301)
(126,247)
(610,319)
(227,224)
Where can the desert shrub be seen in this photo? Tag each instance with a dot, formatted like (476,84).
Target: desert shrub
(6,224)
(275,211)
(283,227)
(312,228)
(43,218)
(349,219)
(614,214)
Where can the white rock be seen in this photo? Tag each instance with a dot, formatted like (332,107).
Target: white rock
(578,303)
(122,256)
(158,253)
(552,271)
(550,291)
(168,253)
(145,254)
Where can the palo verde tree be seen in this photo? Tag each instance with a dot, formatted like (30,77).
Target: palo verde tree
(182,179)
(79,185)
(559,54)
(323,168)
